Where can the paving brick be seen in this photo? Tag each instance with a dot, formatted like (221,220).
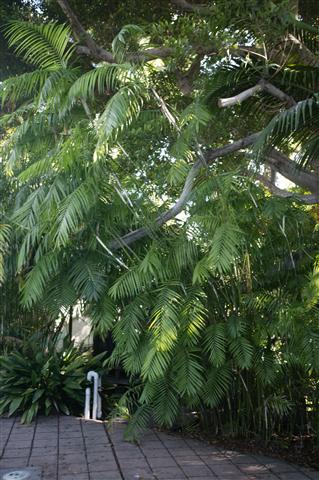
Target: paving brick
(226,470)
(102,467)
(281,467)
(14,453)
(155,453)
(239,459)
(180,452)
(136,476)
(168,472)
(262,476)
(42,461)
(84,452)
(71,458)
(106,476)
(153,445)
(292,476)
(39,451)
(196,470)
(74,468)
(313,474)
(162,462)
(212,460)
(49,472)
(253,468)
(190,461)
(79,476)
(206,477)
(136,473)
(14,462)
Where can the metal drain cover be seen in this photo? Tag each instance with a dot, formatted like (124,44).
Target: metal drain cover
(16,475)
(20,474)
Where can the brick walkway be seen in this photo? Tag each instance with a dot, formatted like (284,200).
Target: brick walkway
(68,448)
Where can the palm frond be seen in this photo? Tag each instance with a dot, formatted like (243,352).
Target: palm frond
(139,422)
(217,385)
(130,327)
(155,364)
(5,233)
(192,120)
(242,352)
(120,111)
(216,343)
(188,371)
(88,278)
(120,44)
(223,254)
(130,284)
(101,80)
(73,210)
(165,401)
(36,281)
(102,315)
(22,87)
(293,123)
(165,318)
(47,46)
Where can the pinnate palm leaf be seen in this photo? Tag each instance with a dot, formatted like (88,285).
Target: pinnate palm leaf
(45,45)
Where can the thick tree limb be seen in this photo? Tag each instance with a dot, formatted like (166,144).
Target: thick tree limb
(305,54)
(292,172)
(276,160)
(307,199)
(191,8)
(91,48)
(211,155)
(276,92)
(87,45)
(262,85)
(239,98)
(185,80)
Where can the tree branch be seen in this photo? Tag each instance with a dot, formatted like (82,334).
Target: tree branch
(276,92)
(91,48)
(210,156)
(262,85)
(292,172)
(239,98)
(185,80)
(277,160)
(190,8)
(305,54)
(307,199)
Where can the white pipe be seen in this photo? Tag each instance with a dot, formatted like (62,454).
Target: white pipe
(99,399)
(97,403)
(94,376)
(87,403)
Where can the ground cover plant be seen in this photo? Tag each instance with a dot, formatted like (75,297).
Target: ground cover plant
(41,377)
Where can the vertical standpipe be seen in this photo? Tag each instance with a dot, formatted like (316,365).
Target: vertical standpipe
(96,404)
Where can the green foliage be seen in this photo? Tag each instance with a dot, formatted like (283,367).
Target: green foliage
(102,78)
(120,45)
(213,311)
(4,245)
(46,46)
(39,378)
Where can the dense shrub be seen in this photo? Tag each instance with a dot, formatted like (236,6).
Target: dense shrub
(39,378)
